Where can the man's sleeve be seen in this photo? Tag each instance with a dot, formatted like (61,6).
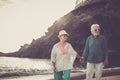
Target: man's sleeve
(86,49)
(105,47)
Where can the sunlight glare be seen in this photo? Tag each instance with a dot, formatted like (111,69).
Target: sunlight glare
(24,20)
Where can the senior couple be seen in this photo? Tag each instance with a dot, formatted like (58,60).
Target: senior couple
(95,51)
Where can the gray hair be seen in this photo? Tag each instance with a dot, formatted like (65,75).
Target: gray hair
(94,25)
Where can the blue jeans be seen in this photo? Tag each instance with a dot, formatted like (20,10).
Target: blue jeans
(65,74)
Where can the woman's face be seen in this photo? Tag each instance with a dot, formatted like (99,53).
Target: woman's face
(64,37)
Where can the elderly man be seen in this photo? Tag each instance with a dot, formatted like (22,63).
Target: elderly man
(96,53)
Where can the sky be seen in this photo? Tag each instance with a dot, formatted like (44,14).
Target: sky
(21,21)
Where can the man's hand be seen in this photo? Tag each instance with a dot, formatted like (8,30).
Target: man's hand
(106,61)
(82,60)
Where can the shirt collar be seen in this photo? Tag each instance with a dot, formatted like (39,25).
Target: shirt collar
(96,37)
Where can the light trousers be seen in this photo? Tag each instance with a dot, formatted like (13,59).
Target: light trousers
(65,74)
(94,68)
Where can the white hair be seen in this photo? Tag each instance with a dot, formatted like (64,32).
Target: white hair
(94,26)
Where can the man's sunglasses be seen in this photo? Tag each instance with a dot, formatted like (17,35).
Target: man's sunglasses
(97,29)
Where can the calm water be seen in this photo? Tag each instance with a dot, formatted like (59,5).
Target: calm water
(24,63)
(24,66)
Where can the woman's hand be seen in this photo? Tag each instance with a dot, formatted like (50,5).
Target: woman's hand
(55,69)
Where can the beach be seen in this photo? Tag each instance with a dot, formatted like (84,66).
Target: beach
(74,76)
(108,74)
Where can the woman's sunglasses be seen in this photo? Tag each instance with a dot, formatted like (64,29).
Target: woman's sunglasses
(65,35)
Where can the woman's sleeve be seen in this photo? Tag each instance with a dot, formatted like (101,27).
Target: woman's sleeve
(72,51)
(73,55)
(53,54)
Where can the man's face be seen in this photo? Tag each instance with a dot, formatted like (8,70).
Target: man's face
(95,30)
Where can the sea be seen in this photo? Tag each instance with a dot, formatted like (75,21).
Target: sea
(13,66)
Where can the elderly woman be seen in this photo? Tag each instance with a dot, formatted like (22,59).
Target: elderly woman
(62,57)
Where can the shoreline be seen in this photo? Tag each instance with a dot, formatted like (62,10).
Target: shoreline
(75,75)
(107,73)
